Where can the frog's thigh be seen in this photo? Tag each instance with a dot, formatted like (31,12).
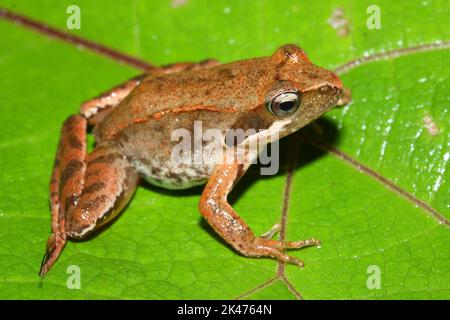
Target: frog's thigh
(109,183)
(225,221)
(86,190)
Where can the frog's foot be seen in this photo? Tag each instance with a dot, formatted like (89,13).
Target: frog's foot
(275,249)
(55,244)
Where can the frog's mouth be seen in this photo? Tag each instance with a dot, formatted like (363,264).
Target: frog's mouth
(345,97)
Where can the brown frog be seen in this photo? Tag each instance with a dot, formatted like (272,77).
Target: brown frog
(133,123)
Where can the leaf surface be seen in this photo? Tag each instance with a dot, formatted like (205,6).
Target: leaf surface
(160,248)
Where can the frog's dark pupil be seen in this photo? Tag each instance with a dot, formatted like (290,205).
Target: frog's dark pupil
(286,106)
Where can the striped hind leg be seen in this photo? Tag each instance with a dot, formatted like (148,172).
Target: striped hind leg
(86,190)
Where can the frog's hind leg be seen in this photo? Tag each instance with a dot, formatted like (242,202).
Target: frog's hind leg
(86,190)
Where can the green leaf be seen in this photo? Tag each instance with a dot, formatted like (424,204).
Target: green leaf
(370,180)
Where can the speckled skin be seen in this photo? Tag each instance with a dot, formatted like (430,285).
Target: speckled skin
(133,123)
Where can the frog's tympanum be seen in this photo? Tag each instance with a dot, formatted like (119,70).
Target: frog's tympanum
(133,123)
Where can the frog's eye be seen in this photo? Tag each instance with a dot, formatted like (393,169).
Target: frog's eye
(284,104)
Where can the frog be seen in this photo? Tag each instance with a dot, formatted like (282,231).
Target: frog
(132,125)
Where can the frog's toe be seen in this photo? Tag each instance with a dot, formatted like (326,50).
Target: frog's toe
(292,260)
(300,244)
(274,248)
(281,256)
(273,231)
(55,244)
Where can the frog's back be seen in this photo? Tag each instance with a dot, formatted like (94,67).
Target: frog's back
(143,124)
(216,88)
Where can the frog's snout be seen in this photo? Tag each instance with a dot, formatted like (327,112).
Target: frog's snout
(344,97)
(335,81)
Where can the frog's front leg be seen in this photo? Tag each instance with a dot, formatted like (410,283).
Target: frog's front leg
(225,221)
(86,190)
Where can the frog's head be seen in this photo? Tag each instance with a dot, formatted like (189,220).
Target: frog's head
(301,91)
